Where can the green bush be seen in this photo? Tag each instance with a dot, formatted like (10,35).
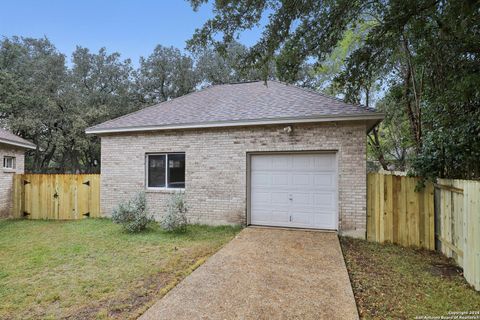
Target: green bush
(133,214)
(175,218)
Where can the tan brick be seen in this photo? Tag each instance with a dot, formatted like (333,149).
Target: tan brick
(216,161)
(6,177)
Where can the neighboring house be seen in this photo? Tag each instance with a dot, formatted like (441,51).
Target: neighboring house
(12,155)
(248,153)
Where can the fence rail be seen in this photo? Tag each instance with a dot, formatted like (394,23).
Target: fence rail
(448,211)
(56,196)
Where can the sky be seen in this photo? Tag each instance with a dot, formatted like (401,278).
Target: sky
(132,28)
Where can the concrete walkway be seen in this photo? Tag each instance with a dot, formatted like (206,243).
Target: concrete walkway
(265,274)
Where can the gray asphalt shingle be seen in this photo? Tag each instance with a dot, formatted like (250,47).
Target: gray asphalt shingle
(6,137)
(248,101)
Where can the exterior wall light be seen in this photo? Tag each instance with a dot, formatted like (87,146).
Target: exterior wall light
(288,129)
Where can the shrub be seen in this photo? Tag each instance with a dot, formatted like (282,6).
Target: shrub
(133,214)
(175,218)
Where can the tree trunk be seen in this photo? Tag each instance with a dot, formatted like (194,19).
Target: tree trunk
(375,144)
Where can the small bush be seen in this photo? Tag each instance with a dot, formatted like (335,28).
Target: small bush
(176,217)
(133,214)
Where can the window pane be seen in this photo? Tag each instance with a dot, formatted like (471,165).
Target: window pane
(176,170)
(9,162)
(156,171)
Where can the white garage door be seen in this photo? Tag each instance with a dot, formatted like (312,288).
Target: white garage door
(294,190)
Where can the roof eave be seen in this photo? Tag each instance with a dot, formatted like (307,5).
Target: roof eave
(18,144)
(377,117)
(371,124)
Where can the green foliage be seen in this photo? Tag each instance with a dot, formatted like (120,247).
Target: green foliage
(451,146)
(334,64)
(44,101)
(215,67)
(395,143)
(133,214)
(422,55)
(165,74)
(175,218)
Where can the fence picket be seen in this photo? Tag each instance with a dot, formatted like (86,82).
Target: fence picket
(56,196)
(399,214)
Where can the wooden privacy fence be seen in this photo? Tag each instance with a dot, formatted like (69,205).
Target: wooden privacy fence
(56,196)
(397,213)
(457,208)
(448,211)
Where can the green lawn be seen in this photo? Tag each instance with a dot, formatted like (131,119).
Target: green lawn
(92,269)
(391,282)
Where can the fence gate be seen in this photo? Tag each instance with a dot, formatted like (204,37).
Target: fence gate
(56,196)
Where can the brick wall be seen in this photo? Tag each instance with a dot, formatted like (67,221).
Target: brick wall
(216,167)
(6,177)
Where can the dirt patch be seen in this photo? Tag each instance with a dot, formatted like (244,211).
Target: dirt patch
(445,270)
(145,291)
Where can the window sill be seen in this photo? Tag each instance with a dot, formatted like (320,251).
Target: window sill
(8,170)
(164,190)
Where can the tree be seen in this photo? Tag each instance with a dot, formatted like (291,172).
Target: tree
(429,48)
(391,142)
(165,74)
(32,73)
(214,67)
(230,65)
(44,101)
(100,88)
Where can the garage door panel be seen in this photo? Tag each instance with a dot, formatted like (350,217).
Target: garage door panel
(324,180)
(280,179)
(302,218)
(281,163)
(294,190)
(323,221)
(325,163)
(302,163)
(262,198)
(261,180)
(279,216)
(301,180)
(304,199)
(280,198)
(271,217)
(325,199)
(262,163)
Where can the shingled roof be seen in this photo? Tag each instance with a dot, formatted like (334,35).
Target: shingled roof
(6,137)
(248,103)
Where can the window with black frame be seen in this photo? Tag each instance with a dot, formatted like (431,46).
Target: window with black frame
(8,162)
(166,170)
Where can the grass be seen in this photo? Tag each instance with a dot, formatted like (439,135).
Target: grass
(392,282)
(92,269)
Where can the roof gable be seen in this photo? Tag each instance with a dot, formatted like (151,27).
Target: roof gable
(6,137)
(247,103)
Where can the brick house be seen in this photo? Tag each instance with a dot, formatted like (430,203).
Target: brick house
(248,153)
(12,155)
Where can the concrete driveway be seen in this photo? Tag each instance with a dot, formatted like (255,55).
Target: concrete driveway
(265,273)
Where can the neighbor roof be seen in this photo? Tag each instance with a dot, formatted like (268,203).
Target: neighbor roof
(247,103)
(6,137)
